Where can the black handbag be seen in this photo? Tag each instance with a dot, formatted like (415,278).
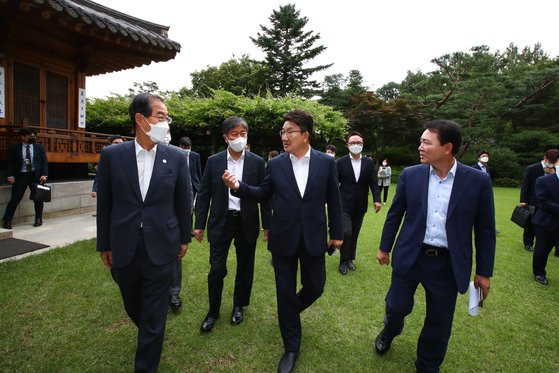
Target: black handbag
(40,192)
(522,216)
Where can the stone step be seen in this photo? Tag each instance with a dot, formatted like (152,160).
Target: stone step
(5,234)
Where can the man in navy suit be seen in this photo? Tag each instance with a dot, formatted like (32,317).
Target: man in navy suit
(441,201)
(483,159)
(546,222)
(299,183)
(143,221)
(230,219)
(26,164)
(195,167)
(356,174)
(528,190)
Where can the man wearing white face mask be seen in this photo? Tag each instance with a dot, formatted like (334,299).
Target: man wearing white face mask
(356,175)
(230,219)
(143,221)
(483,158)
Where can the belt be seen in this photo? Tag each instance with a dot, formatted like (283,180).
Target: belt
(234,212)
(431,250)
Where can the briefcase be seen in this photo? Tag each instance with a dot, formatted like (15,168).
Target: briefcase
(522,216)
(40,192)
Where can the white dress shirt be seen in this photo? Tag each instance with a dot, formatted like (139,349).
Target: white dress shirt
(482,166)
(145,161)
(24,155)
(437,207)
(301,170)
(236,168)
(356,164)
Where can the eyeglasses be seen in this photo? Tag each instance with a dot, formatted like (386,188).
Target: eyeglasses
(162,119)
(288,133)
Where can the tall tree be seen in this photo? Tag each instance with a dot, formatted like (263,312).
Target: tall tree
(241,76)
(288,48)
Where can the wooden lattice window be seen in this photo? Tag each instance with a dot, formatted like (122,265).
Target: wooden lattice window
(26,94)
(57,100)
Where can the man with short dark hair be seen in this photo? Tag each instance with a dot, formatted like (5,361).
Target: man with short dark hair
(528,190)
(482,160)
(299,183)
(330,150)
(230,220)
(26,165)
(357,175)
(143,221)
(440,201)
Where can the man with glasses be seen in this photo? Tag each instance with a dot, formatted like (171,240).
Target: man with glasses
(143,221)
(299,182)
(357,174)
(230,219)
(26,164)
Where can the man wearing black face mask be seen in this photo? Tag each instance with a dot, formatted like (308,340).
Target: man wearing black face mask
(26,164)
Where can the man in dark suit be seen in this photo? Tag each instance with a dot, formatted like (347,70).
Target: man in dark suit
(143,221)
(482,160)
(528,190)
(230,219)
(441,201)
(195,167)
(113,140)
(26,164)
(546,222)
(356,174)
(299,183)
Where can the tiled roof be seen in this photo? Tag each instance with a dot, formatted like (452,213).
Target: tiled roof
(117,23)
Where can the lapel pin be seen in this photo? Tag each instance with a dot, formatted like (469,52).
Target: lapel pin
(164,161)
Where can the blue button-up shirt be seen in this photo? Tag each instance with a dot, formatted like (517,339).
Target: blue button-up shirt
(437,206)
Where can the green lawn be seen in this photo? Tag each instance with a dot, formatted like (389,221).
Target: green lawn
(61,312)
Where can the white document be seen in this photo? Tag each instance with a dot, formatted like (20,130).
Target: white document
(475,297)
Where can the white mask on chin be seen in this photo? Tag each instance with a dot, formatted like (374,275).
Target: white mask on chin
(238,144)
(158,132)
(356,149)
(484,159)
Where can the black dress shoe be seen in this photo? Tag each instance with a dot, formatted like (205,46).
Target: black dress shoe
(38,222)
(207,324)
(7,224)
(175,302)
(528,248)
(350,265)
(542,280)
(287,362)
(237,316)
(382,343)
(343,268)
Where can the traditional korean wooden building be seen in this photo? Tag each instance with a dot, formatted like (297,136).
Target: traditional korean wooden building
(47,49)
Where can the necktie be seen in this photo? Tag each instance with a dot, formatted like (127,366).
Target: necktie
(28,163)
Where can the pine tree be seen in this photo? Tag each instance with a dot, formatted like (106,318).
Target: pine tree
(288,48)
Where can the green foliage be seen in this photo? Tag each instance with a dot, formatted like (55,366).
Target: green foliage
(288,47)
(241,76)
(109,115)
(338,91)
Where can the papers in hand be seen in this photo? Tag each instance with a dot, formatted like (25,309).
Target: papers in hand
(476,296)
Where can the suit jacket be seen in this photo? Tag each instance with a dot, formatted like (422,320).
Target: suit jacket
(295,215)
(470,206)
(528,188)
(164,214)
(477,167)
(355,194)
(547,194)
(14,160)
(214,197)
(195,171)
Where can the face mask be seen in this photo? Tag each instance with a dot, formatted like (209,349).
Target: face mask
(331,154)
(31,140)
(238,144)
(484,159)
(187,151)
(384,164)
(549,165)
(167,138)
(158,132)
(356,149)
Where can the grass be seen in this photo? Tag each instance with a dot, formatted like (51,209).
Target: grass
(61,312)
